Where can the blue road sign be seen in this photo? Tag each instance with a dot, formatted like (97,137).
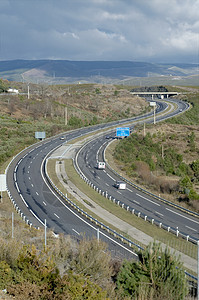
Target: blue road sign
(122,131)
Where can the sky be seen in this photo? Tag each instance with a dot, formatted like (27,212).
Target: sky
(164,31)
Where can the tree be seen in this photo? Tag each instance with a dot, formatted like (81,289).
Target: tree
(157,275)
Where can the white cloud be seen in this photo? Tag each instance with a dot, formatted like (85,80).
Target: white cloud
(100,29)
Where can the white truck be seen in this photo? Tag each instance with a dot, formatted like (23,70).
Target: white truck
(120,185)
(101,165)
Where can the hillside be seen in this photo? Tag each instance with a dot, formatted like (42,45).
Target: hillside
(65,71)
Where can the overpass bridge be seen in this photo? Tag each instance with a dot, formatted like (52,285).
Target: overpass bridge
(161,94)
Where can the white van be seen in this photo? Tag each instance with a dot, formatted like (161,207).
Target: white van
(120,185)
(101,165)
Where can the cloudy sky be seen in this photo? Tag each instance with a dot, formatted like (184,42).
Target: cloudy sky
(135,30)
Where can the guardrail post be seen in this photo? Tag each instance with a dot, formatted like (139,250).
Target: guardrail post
(133,211)
(122,205)
(152,221)
(187,238)
(127,208)
(160,225)
(177,231)
(145,217)
(139,214)
(118,202)
(168,228)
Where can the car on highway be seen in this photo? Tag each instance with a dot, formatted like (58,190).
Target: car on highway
(120,185)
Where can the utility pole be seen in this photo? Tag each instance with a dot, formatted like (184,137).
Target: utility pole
(28,92)
(45,234)
(66,116)
(12,225)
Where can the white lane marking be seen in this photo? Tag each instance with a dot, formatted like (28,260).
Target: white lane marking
(148,199)
(190,228)
(44,203)
(18,190)
(98,177)
(16,168)
(182,216)
(29,178)
(23,200)
(15,177)
(75,214)
(110,177)
(37,217)
(56,216)
(28,172)
(107,184)
(37,193)
(157,212)
(119,192)
(136,201)
(129,190)
(32,185)
(31,162)
(28,166)
(76,231)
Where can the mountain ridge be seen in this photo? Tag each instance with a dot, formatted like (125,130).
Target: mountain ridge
(66,70)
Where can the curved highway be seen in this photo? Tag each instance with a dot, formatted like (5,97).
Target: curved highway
(27,185)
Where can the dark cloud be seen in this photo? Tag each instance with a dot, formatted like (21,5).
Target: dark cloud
(155,30)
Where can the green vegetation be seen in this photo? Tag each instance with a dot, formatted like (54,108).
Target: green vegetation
(85,270)
(157,275)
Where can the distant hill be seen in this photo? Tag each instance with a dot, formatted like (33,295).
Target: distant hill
(65,71)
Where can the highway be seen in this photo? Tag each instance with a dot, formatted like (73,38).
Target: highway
(27,185)
(147,205)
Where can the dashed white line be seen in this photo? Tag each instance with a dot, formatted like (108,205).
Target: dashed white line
(119,192)
(32,185)
(57,216)
(157,212)
(148,199)
(44,203)
(37,193)
(107,184)
(76,231)
(136,201)
(129,190)
(110,176)
(191,228)
(17,187)
(182,216)
(23,200)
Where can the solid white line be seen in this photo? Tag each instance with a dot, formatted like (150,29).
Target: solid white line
(148,199)
(191,228)
(76,231)
(75,214)
(57,216)
(182,216)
